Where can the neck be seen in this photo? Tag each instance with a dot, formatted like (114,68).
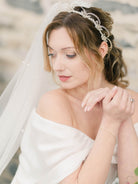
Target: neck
(80,92)
(77,93)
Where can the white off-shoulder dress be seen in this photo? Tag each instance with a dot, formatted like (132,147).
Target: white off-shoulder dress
(51,151)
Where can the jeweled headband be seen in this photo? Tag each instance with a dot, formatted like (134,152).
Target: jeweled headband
(97,24)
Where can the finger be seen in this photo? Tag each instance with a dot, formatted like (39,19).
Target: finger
(132,105)
(133,108)
(85,99)
(118,96)
(92,93)
(111,94)
(93,101)
(125,100)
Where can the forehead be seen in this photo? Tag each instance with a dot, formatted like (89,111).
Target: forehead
(59,38)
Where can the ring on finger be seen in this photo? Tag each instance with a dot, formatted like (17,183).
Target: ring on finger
(132,100)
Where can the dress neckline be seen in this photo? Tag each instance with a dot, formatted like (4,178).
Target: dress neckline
(67,126)
(63,125)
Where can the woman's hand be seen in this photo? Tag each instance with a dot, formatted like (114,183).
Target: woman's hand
(93,97)
(116,103)
(119,105)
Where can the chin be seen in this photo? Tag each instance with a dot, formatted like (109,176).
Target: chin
(67,87)
(70,86)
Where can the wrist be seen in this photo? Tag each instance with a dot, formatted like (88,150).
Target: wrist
(127,122)
(108,131)
(110,124)
(126,127)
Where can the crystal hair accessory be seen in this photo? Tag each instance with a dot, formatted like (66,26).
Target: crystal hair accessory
(97,23)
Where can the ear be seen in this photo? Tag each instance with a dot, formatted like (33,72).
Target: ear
(103,49)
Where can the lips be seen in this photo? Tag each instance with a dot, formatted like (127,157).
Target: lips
(64,78)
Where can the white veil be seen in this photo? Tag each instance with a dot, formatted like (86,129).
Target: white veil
(25,88)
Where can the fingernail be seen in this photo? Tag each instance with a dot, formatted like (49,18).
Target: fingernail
(85,109)
(82,104)
(88,109)
(114,87)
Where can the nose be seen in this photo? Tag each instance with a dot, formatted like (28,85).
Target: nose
(58,63)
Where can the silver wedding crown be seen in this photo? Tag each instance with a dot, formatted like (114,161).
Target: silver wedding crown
(97,23)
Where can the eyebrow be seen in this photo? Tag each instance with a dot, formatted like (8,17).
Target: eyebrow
(62,48)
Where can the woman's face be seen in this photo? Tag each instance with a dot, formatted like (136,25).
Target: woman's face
(66,63)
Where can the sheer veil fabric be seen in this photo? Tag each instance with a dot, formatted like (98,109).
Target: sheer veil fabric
(28,84)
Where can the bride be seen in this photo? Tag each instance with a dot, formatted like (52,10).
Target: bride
(68,106)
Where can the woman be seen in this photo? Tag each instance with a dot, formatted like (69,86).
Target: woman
(78,133)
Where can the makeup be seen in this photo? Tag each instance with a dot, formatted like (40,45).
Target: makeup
(64,78)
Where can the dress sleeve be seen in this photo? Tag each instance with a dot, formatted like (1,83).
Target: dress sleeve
(59,149)
(50,152)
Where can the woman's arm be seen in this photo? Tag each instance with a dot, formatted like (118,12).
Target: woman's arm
(127,153)
(115,111)
(96,167)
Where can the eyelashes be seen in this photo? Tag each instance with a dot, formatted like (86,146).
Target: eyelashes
(67,55)
(50,55)
(70,55)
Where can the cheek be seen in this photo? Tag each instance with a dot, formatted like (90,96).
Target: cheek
(83,72)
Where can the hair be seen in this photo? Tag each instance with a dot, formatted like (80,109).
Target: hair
(86,37)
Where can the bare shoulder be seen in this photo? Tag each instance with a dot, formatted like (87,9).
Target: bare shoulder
(134,95)
(54,105)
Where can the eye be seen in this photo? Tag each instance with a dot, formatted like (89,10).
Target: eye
(51,55)
(71,55)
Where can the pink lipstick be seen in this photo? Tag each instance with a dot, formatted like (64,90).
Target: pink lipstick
(63,78)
